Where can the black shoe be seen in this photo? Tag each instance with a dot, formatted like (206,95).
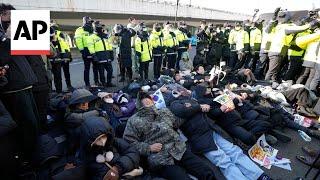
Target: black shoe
(314,133)
(271,139)
(280,136)
(122,80)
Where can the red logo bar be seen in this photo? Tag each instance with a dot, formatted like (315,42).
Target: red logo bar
(30,52)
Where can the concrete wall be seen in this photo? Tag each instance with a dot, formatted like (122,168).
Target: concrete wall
(134,7)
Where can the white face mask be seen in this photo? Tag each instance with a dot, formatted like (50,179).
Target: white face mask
(108,100)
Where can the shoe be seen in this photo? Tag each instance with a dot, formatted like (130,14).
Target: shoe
(264,177)
(308,161)
(122,80)
(271,139)
(280,136)
(309,151)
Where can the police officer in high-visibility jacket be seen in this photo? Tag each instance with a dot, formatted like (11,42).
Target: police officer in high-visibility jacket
(255,44)
(182,35)
(158,48)
(295,55)
(101,49)
(171,43)
(82,36)
(61,60)
(280,42)
(143,51)
(311,59)
(239,44)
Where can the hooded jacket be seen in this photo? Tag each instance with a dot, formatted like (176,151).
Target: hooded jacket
(149,126)
(6,122)
(126,158)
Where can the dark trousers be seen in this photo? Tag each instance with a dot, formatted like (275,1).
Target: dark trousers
(275,62)
(41,99)
(86,72)
(304,76)
(261,66)
(300,96)
(172,60)
(233,59)
(252,60)
(57,77)
(125,70)
(108,67)
(157,62)
(144,70)
(190,163)
(66,72)
(294,69)
(23,109)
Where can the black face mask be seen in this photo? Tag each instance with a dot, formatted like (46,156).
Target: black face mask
(158,29)
(99,30)
(5,25)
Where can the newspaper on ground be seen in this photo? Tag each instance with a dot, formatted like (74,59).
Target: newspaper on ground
(266,156)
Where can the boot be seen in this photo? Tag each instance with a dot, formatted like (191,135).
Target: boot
(271,139)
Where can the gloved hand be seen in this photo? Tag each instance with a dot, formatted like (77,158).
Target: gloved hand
(314,24)
(3,36)
(275,14)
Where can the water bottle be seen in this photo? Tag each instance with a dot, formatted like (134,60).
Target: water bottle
(304,136)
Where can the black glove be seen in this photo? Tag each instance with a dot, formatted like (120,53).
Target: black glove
(314,24)
(275,14)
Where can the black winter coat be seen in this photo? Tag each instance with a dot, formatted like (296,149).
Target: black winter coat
(6,122)
(20,74)
(126,157)
(39,69)
(198,128)
(125,46)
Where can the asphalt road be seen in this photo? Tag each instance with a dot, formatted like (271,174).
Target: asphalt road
(289,150)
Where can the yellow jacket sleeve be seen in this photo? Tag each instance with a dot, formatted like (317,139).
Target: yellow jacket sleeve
(137,45)
(78,38)
(303,41)
(91,42)
(231,37)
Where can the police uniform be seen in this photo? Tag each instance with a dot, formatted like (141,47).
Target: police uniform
(158,50)
(239,41)
(144,53)
(171,43)
(101,47)
(183,41)
(82,36)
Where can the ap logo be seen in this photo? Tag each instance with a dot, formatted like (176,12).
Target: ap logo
(30,32)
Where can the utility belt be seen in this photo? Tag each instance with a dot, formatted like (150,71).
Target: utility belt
(104,61)
(157,55)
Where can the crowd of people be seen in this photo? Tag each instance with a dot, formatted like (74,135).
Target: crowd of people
(170,126)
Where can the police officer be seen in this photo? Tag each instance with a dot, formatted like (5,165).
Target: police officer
(158,48)
(239,44)
(62,60)
(82,36)
(101,48)
(125,52)
(280,42)
(183,36)
(255,45)
(171,43)
(267,34)
(215,46)
(143,51)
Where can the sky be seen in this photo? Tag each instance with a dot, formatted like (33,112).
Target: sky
(248,6)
